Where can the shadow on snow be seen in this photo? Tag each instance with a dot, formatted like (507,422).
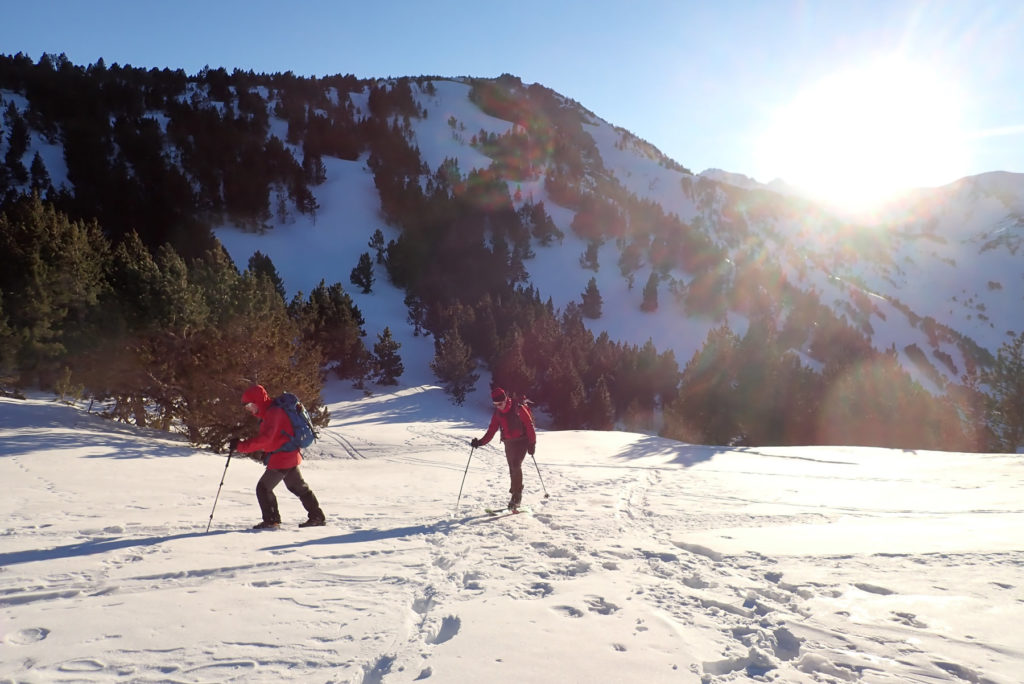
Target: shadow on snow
(95,546)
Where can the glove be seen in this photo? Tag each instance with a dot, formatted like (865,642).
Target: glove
(475,443)
(233,444)
(532,448)
(256,456)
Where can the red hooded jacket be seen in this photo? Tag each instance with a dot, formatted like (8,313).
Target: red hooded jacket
(275,430)
(500,420)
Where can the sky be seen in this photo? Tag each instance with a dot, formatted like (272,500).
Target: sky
(820,94)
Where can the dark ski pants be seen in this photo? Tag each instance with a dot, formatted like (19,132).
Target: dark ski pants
(295,484)
(515,452)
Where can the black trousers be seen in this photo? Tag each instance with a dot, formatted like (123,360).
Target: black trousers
(296,485)
(515,452)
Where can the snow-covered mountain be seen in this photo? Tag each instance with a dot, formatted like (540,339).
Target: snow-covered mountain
(945,254)
(934,279)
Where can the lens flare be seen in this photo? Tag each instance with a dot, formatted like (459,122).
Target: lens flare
(862,136)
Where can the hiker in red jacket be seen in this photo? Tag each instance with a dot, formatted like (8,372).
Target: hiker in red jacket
(275,431)
(519,436)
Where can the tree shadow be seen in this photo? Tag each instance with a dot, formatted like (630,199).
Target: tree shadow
(110,446)
(416,404)
(677,453)
(39,426)
(95,546)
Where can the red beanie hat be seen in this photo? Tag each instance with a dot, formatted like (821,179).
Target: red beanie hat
(498,394)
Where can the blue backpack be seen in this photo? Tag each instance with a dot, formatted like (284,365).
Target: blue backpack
(302,425)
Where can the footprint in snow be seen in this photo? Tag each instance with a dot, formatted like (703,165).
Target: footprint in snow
(597,604)
(24,637)
(568,611)
(874,589)
(450,626)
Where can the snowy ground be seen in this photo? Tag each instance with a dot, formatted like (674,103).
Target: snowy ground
(652,561)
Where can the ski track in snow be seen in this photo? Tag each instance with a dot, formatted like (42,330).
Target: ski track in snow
(763,622)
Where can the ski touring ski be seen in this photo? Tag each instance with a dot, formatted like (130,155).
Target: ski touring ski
(506,511)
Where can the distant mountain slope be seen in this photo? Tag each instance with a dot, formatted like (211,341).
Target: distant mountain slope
(937,274)
(936,282)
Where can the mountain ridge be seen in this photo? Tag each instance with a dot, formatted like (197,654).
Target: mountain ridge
(750,247)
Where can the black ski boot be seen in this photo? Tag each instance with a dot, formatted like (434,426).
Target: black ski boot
(267,525)
(314,514)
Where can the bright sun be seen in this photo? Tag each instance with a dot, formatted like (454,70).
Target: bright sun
(861,136)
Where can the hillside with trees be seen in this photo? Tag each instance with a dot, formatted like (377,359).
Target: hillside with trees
(116,288)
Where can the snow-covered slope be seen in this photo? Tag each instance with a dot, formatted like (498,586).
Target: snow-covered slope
(918,260)
(650,561)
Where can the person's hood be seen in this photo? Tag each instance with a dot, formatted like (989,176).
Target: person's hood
(257,395)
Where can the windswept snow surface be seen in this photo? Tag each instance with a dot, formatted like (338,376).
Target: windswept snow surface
(652,560)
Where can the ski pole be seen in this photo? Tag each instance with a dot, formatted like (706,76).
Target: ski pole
(218,490)
(546,495)
(471,450)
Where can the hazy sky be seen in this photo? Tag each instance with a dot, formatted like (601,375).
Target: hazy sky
(711,84)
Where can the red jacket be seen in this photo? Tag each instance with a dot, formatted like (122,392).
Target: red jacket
(275,430)
(508,433)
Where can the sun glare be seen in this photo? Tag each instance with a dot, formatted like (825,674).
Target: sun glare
(861,136)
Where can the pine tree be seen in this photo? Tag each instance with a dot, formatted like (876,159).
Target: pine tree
(207,333)
(17,144)
(39,177)
(417,313)
(973,403)
(650,302)
(7,348)
(134,279)
(536,218)
(313,168)
(376,243)
(588,259)
(600,409)
(250,338)
(704,412)
(51,282)
(113,370)
(331,321)
(566,395)
(362,274)
(261,265)
(517,272)
(1006,382)
(387,363)
(65,386)
(454,366)
(511,370)
(592,301)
